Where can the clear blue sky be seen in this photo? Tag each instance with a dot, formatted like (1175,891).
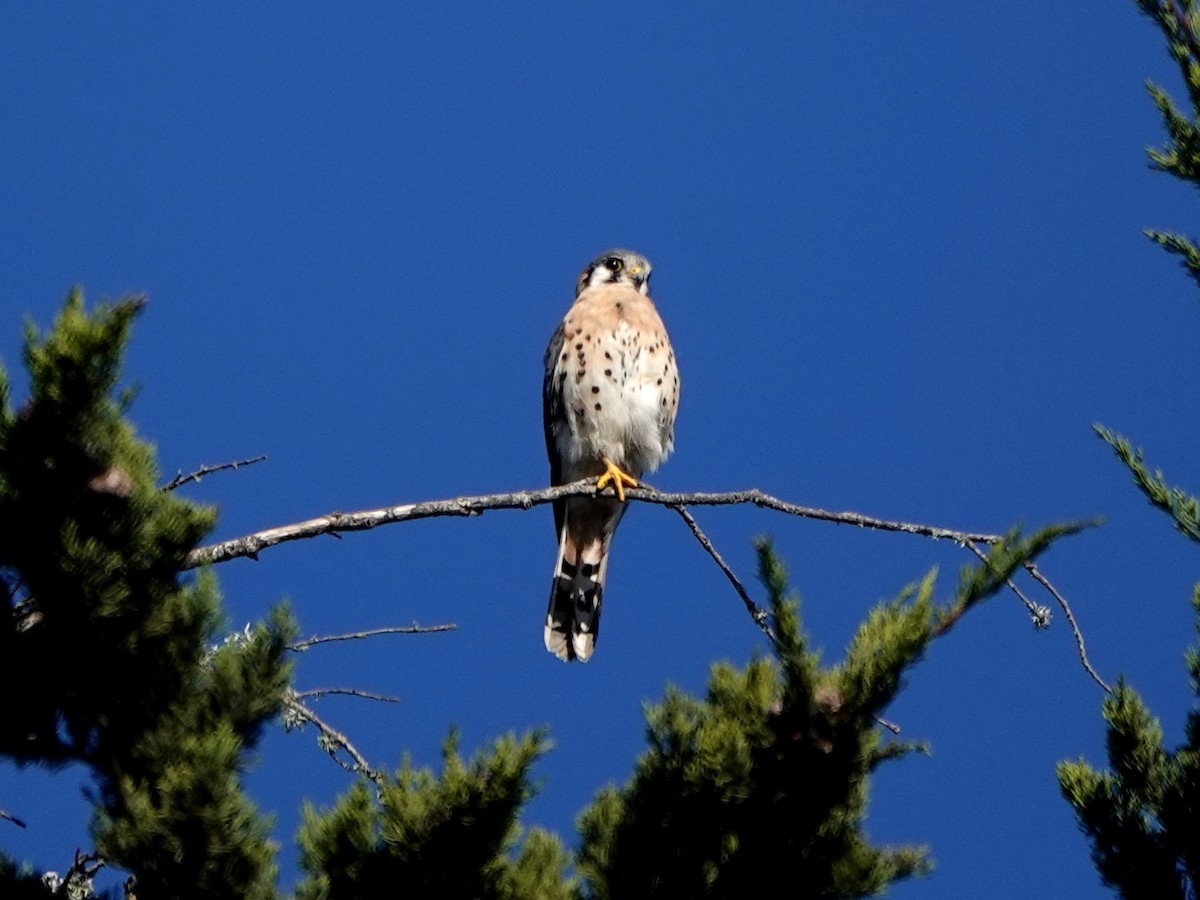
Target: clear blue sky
(898,250)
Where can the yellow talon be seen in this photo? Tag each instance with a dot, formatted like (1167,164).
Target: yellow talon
(619,479)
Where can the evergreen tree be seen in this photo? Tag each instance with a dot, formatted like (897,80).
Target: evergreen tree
(1142,815)
(112,648)
(763,781)
(436,837)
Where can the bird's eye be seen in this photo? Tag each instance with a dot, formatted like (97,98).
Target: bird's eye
(612,264)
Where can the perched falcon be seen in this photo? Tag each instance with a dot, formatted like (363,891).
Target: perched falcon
(609,403)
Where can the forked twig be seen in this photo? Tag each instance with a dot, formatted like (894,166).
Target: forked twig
(1041,614)
(1038,613)
(331,740)
(1033,570)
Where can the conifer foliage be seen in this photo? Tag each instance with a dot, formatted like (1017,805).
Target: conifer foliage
(451,836)
(1142,814)
(112,649)
(1177,19)
(763,783)
(122,667)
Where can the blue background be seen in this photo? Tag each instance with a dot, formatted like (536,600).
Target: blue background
(898,249)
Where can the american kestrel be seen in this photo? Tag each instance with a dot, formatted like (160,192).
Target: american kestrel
(609,403)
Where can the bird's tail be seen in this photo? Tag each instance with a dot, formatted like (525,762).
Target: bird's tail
(573,618)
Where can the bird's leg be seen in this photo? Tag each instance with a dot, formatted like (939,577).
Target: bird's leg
(618,478)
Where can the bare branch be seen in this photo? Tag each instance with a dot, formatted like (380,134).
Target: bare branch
(318,693)
(414,628)
(334,523)
(757,613)
(1066,608)
(1041,615)
(180,479)
(9,817)
(1038,613)
(332,740)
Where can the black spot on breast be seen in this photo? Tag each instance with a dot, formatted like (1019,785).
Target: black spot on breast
(659,382)
(607,355)
(597,407)
(595,388)
(608,372)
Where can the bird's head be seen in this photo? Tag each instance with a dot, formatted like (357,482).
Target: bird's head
(616,267)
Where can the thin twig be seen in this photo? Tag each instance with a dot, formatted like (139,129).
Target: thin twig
(370,632)
(757,613)
(1038,613)
(334,523)
(1041,615)
(333,741)
(181,479)
(9,817)
(1066,608)
(318,693)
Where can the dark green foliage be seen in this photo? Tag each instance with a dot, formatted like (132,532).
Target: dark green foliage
(436,837)
(1181,506)
(762,782)
(762,785)
(1177,19)
(1142,816)
(764,779)
(112,649)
